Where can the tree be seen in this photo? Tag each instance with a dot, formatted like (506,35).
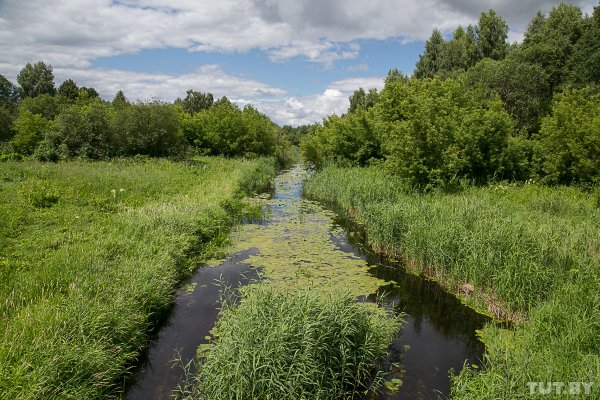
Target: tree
(45,105)
(523,88)
(584,64)
(460,53)
(360,100)
(430,62)
(492,32)
(147,128)
(120,100)
(8,107)
(69,89)
(9,94)
(550,42)
(88,93)
(35,80)
(196,101)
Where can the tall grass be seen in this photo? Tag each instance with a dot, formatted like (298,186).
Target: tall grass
(90,255)
(297,344)
(530,253)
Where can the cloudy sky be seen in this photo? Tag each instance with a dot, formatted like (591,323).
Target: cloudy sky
(295,60)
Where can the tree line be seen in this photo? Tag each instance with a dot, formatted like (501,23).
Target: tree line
(478,109)
(50,124)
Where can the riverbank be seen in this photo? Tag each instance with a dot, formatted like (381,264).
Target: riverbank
(526,253)
(90,256)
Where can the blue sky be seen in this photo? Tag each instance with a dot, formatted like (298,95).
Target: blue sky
(295,60)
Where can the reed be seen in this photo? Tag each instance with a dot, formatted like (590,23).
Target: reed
(531,254)
(296,344)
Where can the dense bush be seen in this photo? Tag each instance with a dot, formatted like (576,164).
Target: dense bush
(225,129)
(443,132)
(351,140)
(568,149)
(147,128)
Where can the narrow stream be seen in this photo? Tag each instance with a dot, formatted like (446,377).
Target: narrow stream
(298,242)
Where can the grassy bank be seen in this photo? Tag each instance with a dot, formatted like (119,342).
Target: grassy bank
(90,254)
(527,252)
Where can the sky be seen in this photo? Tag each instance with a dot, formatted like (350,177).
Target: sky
(297,61)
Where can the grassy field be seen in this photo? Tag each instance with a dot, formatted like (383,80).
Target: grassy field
(90,254)
(526,253)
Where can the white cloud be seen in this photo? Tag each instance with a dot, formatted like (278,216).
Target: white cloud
(70,35)
(309,109)
(73,33)
(143,86)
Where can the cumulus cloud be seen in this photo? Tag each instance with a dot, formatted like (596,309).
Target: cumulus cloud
(308,109)
(70,35)
(143,86)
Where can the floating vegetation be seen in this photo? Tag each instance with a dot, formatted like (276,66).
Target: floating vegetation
(294,246)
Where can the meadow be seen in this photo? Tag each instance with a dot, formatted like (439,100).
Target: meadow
(525,253)
(90,256)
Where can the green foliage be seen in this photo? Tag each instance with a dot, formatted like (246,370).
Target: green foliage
(523,87)
(492,32)
(196,101)
(350,140)
(83,131)
(9,94)
(460,53)
(530,252)
(35,80)
(90,256)
(360,100)
(7,117)
(583,65)
(568,150)
(441,133)
(69,89)
(147,128)
(430,62)
(550,42)
(225,129)
(45,105)
(120,100)
(296,344)
(29,131)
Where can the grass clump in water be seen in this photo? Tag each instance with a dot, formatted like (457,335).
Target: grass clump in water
(296,344)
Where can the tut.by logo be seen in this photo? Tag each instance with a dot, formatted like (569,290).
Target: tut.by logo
(572,388)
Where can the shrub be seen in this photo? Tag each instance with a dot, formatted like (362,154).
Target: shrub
(30,130)
(568,150)
(147,128)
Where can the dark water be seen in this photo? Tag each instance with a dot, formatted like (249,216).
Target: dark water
(438,336)
(439,333)
(194,314)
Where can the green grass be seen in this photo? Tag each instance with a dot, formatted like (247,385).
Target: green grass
(531,253)
(90,255)
(295,344)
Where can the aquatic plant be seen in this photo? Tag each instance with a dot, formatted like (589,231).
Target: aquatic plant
(296,344)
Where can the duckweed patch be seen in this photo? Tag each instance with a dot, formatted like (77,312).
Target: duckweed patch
(294,246)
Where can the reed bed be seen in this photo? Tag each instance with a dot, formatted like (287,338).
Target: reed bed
(524,252)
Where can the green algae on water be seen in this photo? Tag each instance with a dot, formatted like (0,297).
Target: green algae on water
(295,247)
